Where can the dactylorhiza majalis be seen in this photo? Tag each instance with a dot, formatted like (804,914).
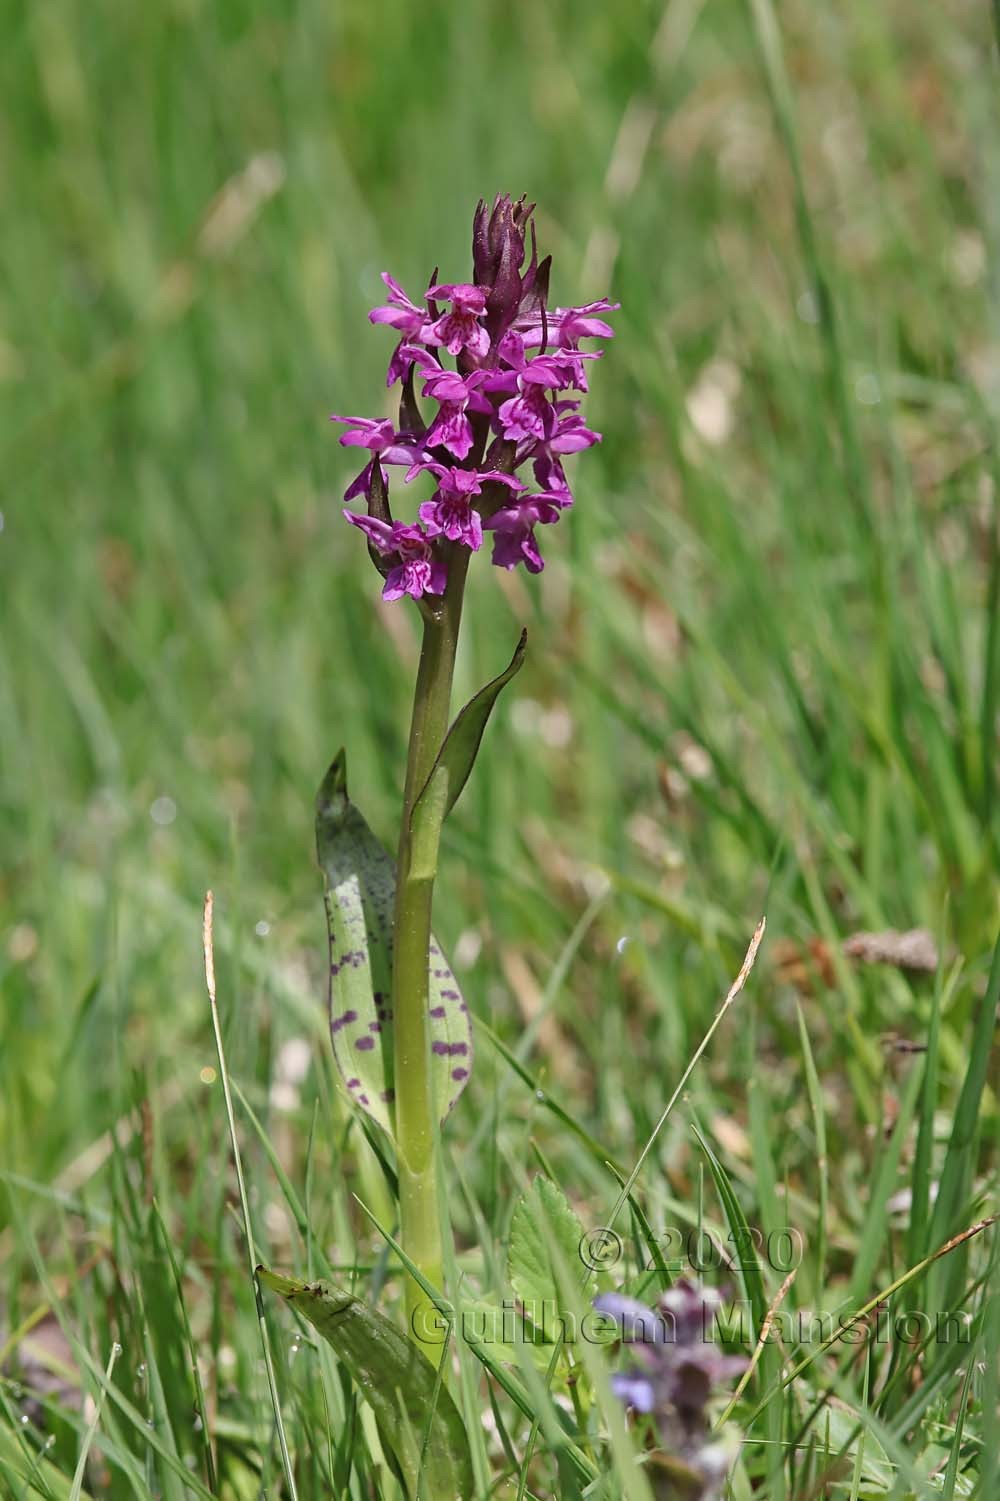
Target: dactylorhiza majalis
(491,378)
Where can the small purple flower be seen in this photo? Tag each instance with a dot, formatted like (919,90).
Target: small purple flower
(515,529)
(450,512)
(456,394)
(635,1391)
(564,326)
(460,329)
(400,312)
(572,435)
(411,320)
(528,415)
(418,571)
(556,370)
(382,441)
(677,1366)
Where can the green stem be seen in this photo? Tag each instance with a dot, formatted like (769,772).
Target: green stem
(416,1117)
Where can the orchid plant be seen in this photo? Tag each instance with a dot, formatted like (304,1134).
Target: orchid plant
(491,433)
(509,407)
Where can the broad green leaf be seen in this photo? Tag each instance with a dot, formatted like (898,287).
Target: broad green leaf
(544,1221)
(417,1417)
(360,880)
(451,770)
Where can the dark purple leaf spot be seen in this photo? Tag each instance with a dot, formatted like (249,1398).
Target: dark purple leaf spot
(365,1044)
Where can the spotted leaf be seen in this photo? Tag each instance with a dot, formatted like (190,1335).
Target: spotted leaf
(360,879)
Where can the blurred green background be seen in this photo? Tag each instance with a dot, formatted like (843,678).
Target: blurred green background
(762,668)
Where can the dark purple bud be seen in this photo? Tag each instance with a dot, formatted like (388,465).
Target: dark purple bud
(497,257)
(481,242)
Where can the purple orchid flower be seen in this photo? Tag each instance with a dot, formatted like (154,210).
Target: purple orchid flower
(409,318)
(572,435)
(564,326)
(400,312)
(515,529)
(418,571)
(450,512)
(460,329)
(557,369)
(457,395)
(528,415)
(383,442)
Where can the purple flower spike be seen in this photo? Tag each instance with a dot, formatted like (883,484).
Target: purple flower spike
(677,1366)
(509,398)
